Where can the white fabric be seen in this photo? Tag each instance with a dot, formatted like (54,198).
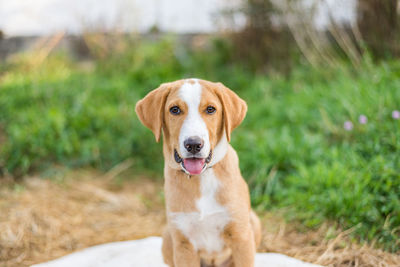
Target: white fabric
(147,253)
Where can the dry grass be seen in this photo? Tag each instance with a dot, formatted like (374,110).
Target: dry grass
(42,219)
(324,246)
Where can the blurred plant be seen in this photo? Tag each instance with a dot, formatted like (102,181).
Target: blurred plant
(362,119)
(276,32)
(103,45)
(348,125)
(379,25)
(396,114)
(320,46)
(264,42)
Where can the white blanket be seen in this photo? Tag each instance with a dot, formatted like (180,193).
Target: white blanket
(147,253)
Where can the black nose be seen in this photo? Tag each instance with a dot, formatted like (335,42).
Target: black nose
(193,144)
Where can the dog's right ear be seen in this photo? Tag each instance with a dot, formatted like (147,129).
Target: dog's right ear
(150,109)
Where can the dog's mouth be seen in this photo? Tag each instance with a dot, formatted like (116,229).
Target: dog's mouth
(193,166)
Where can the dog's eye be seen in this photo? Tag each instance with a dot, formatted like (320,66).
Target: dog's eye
(210,110)
(175,110)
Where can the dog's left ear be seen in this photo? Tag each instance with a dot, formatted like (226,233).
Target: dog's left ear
(150,109)
(234,107)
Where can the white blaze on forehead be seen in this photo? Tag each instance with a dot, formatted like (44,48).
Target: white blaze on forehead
(194,125)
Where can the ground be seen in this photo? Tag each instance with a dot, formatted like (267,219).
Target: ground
(44,218)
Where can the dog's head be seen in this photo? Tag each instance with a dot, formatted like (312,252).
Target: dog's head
(196,118)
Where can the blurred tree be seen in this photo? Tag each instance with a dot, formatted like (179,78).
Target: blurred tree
(264,41)
(378,21)
(277,32)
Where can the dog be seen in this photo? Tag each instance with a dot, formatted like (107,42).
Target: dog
(209,218)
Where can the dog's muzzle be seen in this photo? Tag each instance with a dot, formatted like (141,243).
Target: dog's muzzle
(191,166)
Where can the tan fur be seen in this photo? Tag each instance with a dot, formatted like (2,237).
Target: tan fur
(243,233)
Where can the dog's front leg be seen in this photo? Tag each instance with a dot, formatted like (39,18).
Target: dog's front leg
(243,247)
(184,253)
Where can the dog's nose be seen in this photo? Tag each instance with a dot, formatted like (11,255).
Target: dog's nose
(193,144)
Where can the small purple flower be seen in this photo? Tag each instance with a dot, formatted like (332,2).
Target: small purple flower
(348,125)
(396,114)
(363,119)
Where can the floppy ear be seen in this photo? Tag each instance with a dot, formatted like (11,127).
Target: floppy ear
(150,109)
(234,108)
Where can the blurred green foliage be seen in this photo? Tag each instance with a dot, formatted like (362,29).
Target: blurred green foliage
(293,148)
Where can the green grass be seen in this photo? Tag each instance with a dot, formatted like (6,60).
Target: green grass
(293,149)
(296,154)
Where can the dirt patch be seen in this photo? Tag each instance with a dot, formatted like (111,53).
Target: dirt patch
(41,220)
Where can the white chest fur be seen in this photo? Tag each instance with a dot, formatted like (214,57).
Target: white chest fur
(204,227)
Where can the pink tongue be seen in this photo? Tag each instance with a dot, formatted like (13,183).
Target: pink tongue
(194,166)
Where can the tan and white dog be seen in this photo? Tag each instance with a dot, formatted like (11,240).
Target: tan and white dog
(210,220)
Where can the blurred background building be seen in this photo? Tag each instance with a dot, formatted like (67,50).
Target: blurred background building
(42,17)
